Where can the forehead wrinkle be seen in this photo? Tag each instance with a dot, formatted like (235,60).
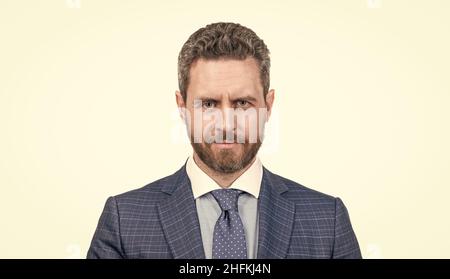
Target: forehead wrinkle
(216,81)
(233,96)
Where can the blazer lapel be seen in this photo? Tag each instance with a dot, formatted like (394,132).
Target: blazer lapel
(276,218)
(179,219)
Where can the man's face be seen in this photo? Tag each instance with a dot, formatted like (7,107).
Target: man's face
(226,112)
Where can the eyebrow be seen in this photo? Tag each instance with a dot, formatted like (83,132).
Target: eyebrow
(246,97)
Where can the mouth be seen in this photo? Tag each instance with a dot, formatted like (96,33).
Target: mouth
(224,145)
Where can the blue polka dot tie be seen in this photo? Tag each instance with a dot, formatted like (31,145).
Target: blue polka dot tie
(229,234)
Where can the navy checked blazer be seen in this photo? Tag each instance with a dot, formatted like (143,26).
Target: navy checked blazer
(160,220)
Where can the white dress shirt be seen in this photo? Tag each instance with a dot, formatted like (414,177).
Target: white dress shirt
(208,209)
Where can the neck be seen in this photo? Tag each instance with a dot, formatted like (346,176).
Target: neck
(223,179)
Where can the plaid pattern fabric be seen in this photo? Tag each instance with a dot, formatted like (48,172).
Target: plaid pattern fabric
(160,220)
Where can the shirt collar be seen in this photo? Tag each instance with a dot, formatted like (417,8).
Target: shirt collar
(201,183)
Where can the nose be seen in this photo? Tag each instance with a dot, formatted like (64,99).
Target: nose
(228,126)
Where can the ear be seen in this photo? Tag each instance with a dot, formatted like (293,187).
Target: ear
(181,104)
(269,102)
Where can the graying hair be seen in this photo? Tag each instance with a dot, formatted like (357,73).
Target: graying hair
(223,40)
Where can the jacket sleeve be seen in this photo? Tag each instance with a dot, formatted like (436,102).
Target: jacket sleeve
(345,243)
(106,243)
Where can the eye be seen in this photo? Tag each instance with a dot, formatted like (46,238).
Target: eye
(242,103)
(208,104)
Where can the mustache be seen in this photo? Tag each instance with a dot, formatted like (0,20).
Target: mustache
(233,139)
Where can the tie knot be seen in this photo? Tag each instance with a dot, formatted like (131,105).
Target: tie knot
(227,198)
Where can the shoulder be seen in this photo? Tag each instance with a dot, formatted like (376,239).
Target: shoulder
(150,194)
(300,194)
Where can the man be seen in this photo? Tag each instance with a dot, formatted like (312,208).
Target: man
(223,203)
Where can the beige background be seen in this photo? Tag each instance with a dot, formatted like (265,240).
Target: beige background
(87,110)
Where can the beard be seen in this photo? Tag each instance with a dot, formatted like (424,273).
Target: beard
(227,160)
